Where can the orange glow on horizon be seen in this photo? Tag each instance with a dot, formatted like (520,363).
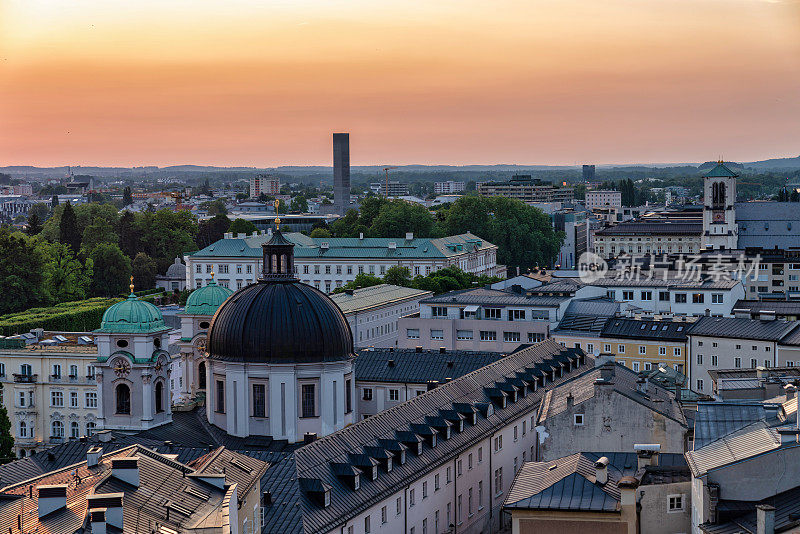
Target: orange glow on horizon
(265,83)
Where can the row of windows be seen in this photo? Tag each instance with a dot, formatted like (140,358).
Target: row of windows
(26,431)
(663,296)
(27,370)
(259,405)
(662,351)
(484,335)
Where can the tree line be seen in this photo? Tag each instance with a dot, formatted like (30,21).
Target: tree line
(523,234)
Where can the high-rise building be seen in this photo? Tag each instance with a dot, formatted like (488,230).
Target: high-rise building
(341,172)
(449,187)
(264,183)
(588,173)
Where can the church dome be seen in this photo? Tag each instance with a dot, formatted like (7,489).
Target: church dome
(279,319)
(176,270)
(205,300)
(132,316)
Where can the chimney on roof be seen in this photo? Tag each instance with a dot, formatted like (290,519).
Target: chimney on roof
(601,470)
(110,504)
(97,520)
(741,313)
(309,437)
(104,436)
(607,371)
(790,390)
(93,456)
(126,469)
(390,363)
(432,384)
(409,236)
(418,348)
(707,312)
(767,315)
(603,358)
(646,454)
(442,350)
(570,401)
(361,235)
(761,372)
(51,499)
(765,519)
(349,291)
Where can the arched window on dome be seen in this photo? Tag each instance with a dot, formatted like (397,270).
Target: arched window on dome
(201,375)
(123,399)
(159,397)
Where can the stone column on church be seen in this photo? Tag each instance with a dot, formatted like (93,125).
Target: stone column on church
(147,398)
(101,420)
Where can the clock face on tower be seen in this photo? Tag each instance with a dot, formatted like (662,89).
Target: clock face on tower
(718,217)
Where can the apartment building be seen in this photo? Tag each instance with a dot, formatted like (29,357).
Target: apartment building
(575,228)
(328,263)
(264,183)
(675,296)
(395,189)
(738,343)
(648,237)
(603,199)
(527,189)
(373,312)
(449,187)
(480,319)
(49,388)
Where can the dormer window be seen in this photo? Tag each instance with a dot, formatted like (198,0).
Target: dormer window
(447,433)
(374,472)
(389,465)
(419,447)
(460,425)
(357,482)
(327,498)
(474,418)
(433,440)
(402,457)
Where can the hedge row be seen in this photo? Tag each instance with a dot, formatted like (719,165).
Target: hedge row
(77,316)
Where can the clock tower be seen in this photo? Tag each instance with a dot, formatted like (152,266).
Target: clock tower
(132,370)
(720,230)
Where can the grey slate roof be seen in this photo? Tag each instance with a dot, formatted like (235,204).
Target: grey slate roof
(582,388)
(493,297)
(411,367)
(768,224)
(787,509)
(780,307)
(619,327)
(732,327)
(587,316)
(569,483)
(641,228)
(314,460)
(564,484)
(380,295)
(752,440)
(715,420)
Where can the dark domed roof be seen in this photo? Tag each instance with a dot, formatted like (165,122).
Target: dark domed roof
(279,322)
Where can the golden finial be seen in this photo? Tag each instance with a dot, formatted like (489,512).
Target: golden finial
(277,219)
(212,275)
(131,286)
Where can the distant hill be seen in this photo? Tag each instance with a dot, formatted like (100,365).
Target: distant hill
(777,163)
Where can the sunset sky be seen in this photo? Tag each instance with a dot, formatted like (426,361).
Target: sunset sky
(265,83)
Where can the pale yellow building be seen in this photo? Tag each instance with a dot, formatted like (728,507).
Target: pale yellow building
(638,343)
(49,389)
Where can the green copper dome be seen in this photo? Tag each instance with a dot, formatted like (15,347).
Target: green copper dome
(205,300)
(132,316)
